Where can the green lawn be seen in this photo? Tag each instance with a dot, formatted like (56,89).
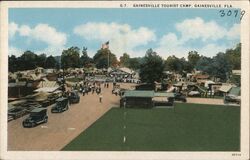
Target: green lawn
(188,127)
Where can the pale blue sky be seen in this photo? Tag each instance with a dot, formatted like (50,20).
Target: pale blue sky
(168,31)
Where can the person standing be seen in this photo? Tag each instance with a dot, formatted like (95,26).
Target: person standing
(100,98)
(83,91)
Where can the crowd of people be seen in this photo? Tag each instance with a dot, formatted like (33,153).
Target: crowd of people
(86,88)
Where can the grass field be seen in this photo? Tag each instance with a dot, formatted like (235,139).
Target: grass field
(188,127)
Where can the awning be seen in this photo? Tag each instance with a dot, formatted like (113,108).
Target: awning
(225,88)
(47,89)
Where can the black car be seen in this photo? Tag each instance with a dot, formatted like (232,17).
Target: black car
(74,97)
(179,97)
(37,116)
(62,104)
(15,112)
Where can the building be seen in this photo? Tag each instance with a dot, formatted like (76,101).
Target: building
(137,99)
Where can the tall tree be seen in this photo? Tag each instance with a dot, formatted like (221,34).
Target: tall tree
(50,62)
(70,58)
(85,60)
(104,58)
(193,58)
(124,60)
(13,63)
(134,63)
(173,64)
(221,67)
(234,57)
(152,67)
(204,64)
(27,61)
(40,60)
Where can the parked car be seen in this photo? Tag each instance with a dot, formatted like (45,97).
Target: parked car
(15,112)
(62,104)
(232,99)
(194,94)
(74,97)
(179,97)
(37,116)
(29,106)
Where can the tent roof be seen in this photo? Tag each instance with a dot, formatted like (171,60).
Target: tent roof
(48,84)
(46,89)
(225,88)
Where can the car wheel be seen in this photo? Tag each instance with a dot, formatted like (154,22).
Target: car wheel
(32,124)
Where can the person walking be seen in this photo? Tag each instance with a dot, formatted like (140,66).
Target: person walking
(83,91)
(100,98)
(93,89)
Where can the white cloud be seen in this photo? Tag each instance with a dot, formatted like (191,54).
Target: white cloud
(13,28)
(169,44)
(49,35)
(122,37)
(211,50)
(197,29)
(234,32)
(45,33)
(15,51)
(24,30)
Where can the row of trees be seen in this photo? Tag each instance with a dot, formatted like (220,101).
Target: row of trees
(219,66)
(71,57)
(29,60)
(151,66)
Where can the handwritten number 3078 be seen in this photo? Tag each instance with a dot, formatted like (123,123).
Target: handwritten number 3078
(234,13)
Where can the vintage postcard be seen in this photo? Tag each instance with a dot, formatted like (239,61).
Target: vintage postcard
(124,80)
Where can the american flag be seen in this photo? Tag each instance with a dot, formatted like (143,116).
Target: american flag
(105,45)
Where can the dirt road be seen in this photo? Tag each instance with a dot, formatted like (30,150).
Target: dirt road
(206,101)
(61,127)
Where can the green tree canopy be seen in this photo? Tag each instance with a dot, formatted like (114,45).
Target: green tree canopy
(70,58)
(85,60)
(134,63)
(152,67)
(50,62)
(204,64)
(193,58)
(234,57)
(101,58)
(173,64)
(124,60)
(27,61)
(221,67)
(13,63)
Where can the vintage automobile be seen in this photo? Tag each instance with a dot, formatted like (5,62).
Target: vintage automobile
(15,112)
(37,116)
(62,104)
(74,97)
(232,99)
(179,97)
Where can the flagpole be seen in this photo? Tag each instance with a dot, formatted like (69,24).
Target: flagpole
(108,60)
